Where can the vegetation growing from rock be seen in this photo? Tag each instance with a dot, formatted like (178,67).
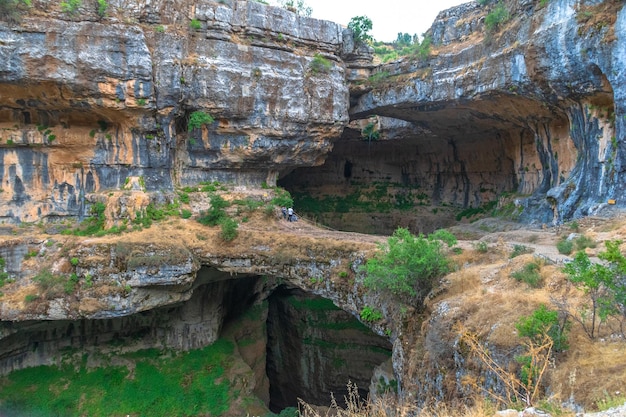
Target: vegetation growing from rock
(361,27)
(407,266)
(199,118)
(11,10)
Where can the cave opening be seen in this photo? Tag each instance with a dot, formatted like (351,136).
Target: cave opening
(289,344)
(314,348)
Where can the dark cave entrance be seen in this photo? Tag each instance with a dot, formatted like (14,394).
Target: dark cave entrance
(314,349)
(296,345)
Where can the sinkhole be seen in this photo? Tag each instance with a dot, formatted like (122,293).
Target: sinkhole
(287,344)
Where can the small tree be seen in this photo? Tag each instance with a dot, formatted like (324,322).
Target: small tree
(596,281)
(297,6)
(407,265)
(199,118)
(361,26)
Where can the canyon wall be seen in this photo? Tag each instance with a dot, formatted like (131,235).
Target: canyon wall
(88,103)
(532,108)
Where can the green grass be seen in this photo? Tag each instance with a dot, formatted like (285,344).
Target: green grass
(529,274)
(186,384)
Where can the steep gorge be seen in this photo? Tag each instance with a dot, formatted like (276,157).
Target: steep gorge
(94,110)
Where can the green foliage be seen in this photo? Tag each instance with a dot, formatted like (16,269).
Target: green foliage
(141,102)
(520,250)
(168,384)
(11,10)
(406,266)
(199,118)
(319,64)
(444,236)
(599,284)
(481,247)
(214,215)
(29,298)
(228,229)
(361,27)
(184,197)
(185,214)
(195,24)
(160,29)
(565,246)
(53,286)
(70,6)
(369,132)
(583,242)
(102,7)
(74,261)
(529,274)
(544,322)
(496,17)
(474,211)
(370,315)
(282,198)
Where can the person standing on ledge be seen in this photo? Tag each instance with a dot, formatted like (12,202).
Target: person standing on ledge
(290,214)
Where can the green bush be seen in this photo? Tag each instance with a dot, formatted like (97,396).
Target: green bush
(319,64)
(481,247)
(74,261)
(282,198)
(406,266)
(102,7)
(199,118)
(565,246)
(529,274)
(496,17)
(444,236)
(361,27)
(583,242)
(214,215)
(195,24)
(370,315)
(70,6)
(229,229)
(543,322)
(520,250)
(185,214)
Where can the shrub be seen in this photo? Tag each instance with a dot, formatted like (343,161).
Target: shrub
(361,26)
(282,198)
(199,118)
(185,214)
(565,246)
(520,250)
(406,265)
(229,229)
(496,17)
(529,274)
(70,6)
(74,261)
(216,213)
(195,24)
(102,8)
(370,315)
(444,236)
(583,242)
(320,64)
(543,322)
(141,102)
(369,132)
(481,247)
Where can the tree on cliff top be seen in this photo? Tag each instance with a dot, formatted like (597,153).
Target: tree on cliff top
(407,265)
(360,27)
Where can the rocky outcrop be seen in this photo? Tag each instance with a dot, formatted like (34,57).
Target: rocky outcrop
(533,108)
(88,103)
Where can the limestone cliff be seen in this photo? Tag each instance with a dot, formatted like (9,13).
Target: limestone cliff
(86,103)
(533,107)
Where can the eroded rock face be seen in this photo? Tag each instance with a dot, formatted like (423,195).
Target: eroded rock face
(535,108)
(86,104)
